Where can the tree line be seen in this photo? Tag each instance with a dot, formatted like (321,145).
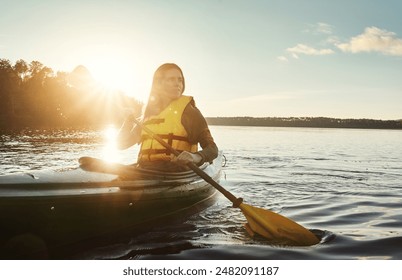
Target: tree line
(33,95)
(306,122)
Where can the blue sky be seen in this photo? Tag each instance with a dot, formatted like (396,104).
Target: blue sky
(240,58)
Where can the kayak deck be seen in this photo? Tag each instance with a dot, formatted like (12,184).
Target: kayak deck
(62,208)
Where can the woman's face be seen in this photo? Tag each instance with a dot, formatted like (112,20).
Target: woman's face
(172,84)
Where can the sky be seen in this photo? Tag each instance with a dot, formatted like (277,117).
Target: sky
(258,58)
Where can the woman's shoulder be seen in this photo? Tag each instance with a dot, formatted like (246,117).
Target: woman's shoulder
(188,98)
(192,109)
(192,117)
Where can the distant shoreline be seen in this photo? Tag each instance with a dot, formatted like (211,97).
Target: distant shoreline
(313,122)
(319,122)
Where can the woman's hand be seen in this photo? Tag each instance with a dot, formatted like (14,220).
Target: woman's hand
(129,133)
(187,157)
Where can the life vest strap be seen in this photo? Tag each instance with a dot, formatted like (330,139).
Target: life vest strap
(167,137)
(157,151)
(153,121)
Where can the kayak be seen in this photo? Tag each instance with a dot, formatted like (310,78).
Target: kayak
(65,207)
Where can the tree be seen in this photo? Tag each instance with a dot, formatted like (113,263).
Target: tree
(21,69)
(8,85)
(32,95)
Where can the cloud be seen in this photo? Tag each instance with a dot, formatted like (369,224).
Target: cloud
(307,50)
(283,58)
(374,39)
(324,28)
(319,28)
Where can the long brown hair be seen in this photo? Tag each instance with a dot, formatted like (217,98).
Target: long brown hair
(153,104)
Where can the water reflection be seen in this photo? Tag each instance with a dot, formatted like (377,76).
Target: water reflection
(343,181)
(110,152)
(60,149)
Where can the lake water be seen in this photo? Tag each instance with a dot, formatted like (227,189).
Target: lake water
(344,183)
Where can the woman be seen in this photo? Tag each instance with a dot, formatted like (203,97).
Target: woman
(176,119)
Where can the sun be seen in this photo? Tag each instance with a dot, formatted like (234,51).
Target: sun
(118,75)
(113,75)
(116,67)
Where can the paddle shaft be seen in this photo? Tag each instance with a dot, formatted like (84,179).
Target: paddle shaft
(236,201)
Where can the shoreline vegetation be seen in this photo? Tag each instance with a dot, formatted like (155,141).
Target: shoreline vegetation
(318,122)
(33,96)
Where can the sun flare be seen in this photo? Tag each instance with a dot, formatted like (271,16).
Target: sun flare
(110,152)
(113,75)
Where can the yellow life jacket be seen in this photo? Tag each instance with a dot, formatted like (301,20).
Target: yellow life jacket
(167,125)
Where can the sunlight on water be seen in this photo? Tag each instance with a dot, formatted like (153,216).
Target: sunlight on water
(345,183)
(110,152)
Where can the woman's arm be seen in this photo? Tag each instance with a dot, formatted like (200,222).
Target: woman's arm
(129,134)
(198,132)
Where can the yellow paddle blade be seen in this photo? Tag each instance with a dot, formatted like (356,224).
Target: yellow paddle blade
(276,227)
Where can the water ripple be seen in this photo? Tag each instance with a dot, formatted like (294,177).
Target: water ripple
(344,185)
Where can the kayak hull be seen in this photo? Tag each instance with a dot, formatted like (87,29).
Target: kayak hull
(64,208)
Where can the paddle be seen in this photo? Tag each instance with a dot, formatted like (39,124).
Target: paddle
(264,222)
